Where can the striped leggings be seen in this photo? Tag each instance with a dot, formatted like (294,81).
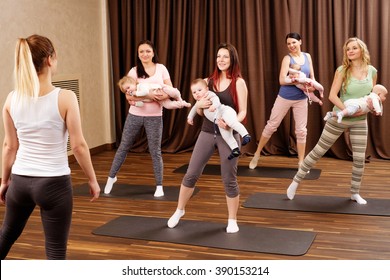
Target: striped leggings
(331,132)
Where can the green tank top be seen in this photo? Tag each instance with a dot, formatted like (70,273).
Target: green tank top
(357,89)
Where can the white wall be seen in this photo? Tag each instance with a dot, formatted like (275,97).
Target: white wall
(78,30)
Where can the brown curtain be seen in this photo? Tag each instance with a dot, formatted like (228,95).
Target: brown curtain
(187,32)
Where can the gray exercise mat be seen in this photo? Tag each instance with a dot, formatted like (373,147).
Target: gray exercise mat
(133,192)
(209,234)
(323,204)
(260,171)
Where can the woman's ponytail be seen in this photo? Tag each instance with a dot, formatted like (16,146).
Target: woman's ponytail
(26,77)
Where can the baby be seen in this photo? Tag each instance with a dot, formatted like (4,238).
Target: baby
(129,86)
(217,111)
(376,98)
(305,84)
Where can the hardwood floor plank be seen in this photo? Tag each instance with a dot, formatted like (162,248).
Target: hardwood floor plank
(339,236)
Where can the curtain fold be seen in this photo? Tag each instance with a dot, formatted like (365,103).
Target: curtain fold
(187,33)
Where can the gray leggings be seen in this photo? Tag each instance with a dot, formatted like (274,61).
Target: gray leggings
(203,150)
(331,132)
(153,128)
(53,195)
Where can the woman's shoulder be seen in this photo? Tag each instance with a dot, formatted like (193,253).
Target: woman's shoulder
(66,95)
(132,72)
(372,69)
(7,103)
(240,81)
(340,68)
(241,85)
(161,66)
(307,55)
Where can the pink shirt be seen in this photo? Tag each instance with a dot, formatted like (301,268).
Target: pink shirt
(150,109)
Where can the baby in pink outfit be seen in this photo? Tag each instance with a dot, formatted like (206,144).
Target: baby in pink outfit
(304,83)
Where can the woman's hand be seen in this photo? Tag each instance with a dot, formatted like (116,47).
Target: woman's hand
(309,86)
(94,190)
(221,123)
(3,191)
(204,102)
(358,113)
(157,95)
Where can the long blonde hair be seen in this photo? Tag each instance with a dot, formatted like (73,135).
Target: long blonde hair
(347,62)
(31,55)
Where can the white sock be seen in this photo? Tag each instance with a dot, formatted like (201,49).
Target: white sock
(232,226)
(356,197)
(340,117)
(159,191)
(292,189)
(328,115)
(175,218)
(109,184)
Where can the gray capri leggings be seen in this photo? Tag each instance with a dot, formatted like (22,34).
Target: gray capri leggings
(54,197)
(153,128)
(330,133)
(203,150)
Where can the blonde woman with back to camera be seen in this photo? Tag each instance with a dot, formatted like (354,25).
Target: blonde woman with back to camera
(38,118)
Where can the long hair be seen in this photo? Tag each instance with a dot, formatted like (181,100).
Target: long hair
(233,72)
(141,73)
(347,62)
(31,56)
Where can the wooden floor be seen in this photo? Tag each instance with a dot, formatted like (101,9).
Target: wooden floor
(339,236)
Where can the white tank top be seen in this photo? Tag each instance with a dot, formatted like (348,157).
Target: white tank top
(42,135)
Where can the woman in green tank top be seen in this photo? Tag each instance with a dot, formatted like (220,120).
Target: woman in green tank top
(353,79)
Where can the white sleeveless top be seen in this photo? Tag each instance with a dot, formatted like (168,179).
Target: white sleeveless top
(42,135)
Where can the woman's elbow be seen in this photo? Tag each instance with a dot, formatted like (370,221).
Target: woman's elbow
(10,147)
(332,99)
(79,147)
(241,115)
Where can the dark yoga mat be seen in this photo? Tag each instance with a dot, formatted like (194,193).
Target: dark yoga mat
(260,171)
(132,192)
(323,204)
(208,234)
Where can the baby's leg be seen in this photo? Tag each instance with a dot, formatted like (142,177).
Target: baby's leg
(173,104)
(319,87)
(348,111)
(314,98)
(227,135)
(175,94)
(340,116)
(329,115)
(172,92)
(230,117)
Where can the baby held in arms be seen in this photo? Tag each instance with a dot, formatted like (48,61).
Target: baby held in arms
(305,84)
(129,86)
(369,103)
(217,111)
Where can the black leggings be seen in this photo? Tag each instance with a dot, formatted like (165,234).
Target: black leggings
(54,197)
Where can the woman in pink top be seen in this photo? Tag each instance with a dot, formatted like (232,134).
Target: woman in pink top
(149,116)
